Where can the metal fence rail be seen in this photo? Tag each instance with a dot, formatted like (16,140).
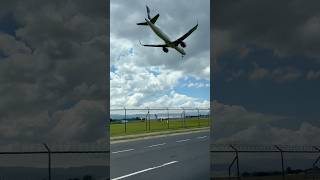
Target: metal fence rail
(128,119)
(282,150)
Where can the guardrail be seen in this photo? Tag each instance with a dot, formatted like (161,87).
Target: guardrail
(133,120)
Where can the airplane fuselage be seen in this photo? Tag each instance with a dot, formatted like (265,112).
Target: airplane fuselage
(164,37)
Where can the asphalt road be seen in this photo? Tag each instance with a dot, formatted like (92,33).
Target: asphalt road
(179,157)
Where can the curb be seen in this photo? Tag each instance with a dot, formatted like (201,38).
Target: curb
(127,138)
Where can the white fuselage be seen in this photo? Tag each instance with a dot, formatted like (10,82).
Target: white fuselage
(164,37)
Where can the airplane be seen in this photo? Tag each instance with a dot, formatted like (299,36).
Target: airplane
(168,43)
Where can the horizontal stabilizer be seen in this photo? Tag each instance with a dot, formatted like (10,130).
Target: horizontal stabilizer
(143,24)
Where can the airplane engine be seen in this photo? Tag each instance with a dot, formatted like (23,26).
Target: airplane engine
(165,49)
(183,44)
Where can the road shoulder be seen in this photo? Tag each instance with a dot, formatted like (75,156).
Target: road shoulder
(128,138)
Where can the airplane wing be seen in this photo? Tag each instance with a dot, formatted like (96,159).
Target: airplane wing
(154,45)
(186,35)
(153,20)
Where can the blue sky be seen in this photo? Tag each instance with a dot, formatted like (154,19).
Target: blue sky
(293,96)
(199,88)
(8,24)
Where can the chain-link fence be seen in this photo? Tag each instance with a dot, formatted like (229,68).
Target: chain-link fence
(131,121)
(264,162)
(54,162)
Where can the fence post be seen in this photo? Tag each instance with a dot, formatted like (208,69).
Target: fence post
(149,118)
(147,121)
(198,117)
(168,117)
(184,116)
(230,166)
(181,120)
(209,115)
(237,158)
(125,120)
(49,160)
(317,160)
(181,117)
(282,163)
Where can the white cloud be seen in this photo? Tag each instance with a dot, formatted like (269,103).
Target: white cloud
(174,99)
(135,86)
(267,134)
(53,67)
(9,46)
(85,116)
(279,74)
(313,75)
(197,85)
(235,124)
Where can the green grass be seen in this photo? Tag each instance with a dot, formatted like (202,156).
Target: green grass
(137,127)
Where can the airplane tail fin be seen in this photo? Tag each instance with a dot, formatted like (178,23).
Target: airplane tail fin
(148,12)
(153,20)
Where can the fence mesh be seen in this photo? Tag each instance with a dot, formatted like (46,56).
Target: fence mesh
(131,121)
(264,161)
(54,162)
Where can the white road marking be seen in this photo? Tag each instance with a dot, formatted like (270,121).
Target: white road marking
(157,145)
(201,137)
(183,140)
(122,151)
(148,169)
